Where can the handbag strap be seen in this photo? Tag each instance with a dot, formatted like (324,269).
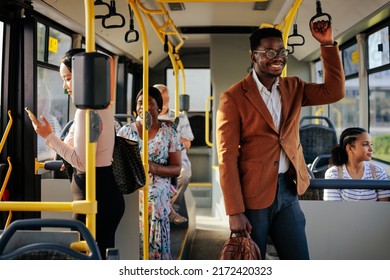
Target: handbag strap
(340,172)
(373,171)
(372,168)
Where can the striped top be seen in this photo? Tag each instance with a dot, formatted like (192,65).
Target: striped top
(356,194)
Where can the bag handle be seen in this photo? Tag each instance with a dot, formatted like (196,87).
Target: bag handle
(373,171)
(340,172)
(243,233)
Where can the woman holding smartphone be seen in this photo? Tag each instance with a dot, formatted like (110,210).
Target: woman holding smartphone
(72,149)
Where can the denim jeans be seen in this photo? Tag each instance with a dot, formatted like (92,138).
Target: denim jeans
(283,221)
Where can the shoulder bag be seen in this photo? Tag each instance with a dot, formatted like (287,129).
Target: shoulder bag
(127,165)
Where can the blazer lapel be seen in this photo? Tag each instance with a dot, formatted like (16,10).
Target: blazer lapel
(253,95)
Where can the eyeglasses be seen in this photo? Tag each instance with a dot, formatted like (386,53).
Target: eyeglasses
(271,53)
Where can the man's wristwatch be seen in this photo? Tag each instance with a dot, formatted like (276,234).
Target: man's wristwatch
(330,45)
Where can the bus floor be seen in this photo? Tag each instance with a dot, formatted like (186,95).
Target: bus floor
(209,237)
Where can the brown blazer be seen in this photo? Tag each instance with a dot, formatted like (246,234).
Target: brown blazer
(248,143)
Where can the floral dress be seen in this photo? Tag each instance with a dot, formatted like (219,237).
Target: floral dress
(166,141)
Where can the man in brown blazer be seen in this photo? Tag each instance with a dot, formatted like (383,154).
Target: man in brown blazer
(261,163)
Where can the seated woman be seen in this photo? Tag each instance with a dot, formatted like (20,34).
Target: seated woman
(350,161)
(164,150)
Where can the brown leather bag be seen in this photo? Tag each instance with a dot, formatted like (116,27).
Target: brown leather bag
(240,247)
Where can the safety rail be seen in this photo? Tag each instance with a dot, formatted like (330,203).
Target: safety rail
(207,122)
(8,174)
(145,132)
(349,184)
(6,131)
(347,230)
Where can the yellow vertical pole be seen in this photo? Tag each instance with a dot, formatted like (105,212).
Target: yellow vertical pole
(181,66)
(207,122)
(176,71)
(145,134)
(90,146)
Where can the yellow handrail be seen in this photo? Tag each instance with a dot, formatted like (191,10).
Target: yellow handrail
(2,191)
(285,25)
(5,182)
(181,66)
(145,134)
(168,28)
(288,21)
(207,122)
(320,110)
(176,71)
(90,172)
(8,174)
(6,131)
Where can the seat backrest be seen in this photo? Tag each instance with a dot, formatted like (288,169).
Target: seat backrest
(317,139)
(46,248)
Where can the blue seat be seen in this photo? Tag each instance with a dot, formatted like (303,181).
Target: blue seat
(47,250)
(318,137)
(317,140)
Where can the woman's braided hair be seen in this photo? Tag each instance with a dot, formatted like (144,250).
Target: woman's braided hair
(339,154)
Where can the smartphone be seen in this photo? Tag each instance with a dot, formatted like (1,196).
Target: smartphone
(27,110)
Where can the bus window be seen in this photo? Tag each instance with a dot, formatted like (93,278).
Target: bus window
(199,92)
(350,60)
(319,78)
(345,113)
(51,102)
(379,91)
(59,43)
(380,113)
(378,48)
(41,39)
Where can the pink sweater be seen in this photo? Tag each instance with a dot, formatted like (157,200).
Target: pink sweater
(73,148)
